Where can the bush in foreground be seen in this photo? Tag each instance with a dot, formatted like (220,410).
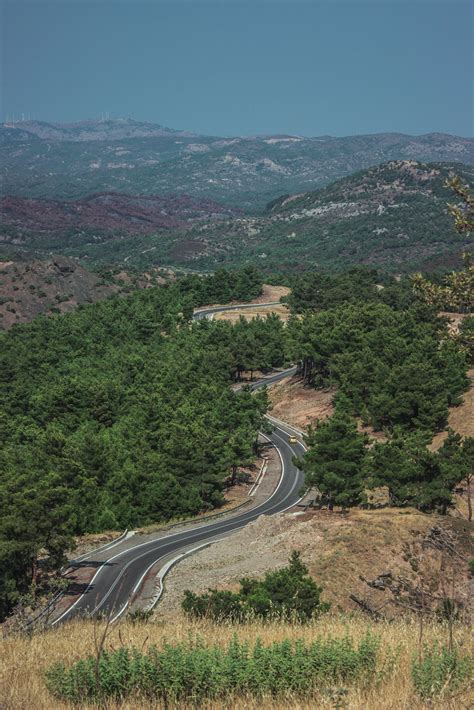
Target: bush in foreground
(288,593)
(195,671)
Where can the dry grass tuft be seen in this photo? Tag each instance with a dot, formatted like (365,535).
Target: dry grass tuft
(24,660)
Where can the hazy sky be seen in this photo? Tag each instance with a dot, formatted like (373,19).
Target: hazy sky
(235,67)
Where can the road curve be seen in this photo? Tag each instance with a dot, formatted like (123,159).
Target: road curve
(117,579)
(200,313)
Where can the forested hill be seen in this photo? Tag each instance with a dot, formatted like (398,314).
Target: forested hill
(121,413)
(393,216)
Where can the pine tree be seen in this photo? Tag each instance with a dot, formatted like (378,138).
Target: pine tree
(334,459)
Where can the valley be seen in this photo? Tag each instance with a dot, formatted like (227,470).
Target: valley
(392,216)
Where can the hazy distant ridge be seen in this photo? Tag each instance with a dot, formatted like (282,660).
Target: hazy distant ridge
(75,160)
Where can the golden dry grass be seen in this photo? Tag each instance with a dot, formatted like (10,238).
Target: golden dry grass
(24,660)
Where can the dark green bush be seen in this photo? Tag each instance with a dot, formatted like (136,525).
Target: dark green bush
(439,671)
(288,593)
(195,671)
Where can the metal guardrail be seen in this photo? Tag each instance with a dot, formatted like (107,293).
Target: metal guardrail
(285,425)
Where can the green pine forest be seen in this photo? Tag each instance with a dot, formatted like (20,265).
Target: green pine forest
(121,414)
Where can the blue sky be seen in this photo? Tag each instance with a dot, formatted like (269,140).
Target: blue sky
(236,67)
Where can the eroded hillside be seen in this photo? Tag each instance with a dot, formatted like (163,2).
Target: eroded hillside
(58,285)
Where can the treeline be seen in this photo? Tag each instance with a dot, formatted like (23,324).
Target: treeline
(118,415)
(316,290)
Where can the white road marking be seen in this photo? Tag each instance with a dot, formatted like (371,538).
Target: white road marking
(167,538)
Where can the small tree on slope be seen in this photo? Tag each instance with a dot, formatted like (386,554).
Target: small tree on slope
(334,459)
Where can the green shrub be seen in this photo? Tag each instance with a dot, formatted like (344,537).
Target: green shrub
(195,671)
(440,670)
(471,566)
(289,593)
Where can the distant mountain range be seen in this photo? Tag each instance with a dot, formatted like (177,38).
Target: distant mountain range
(94,130)
(72,161)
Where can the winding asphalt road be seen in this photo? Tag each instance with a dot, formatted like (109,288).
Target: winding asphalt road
(118,579)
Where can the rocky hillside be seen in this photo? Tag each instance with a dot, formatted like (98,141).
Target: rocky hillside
(391,216)
(32,288)
(74,160)
(46,223)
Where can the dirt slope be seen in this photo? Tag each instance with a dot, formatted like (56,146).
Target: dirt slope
(461,418)
(32,288)
(338,549)
(298,405)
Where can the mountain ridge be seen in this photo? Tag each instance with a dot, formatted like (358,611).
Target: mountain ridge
(242,171)
(71,130)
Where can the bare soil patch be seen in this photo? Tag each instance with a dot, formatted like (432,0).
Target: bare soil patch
(250,313)
(296,404)
(91,541)
(272,293)
(269,294)
(455,320)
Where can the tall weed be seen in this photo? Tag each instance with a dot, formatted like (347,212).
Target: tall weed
(196,671)
(440,671)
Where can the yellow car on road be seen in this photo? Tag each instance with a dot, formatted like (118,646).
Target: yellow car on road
(293,439)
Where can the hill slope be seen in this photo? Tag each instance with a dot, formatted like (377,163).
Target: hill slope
(391,216)
(43,223)
(74,160)
(57,285)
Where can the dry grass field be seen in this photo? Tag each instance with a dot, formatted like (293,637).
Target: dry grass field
(24,661)
(256,312)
